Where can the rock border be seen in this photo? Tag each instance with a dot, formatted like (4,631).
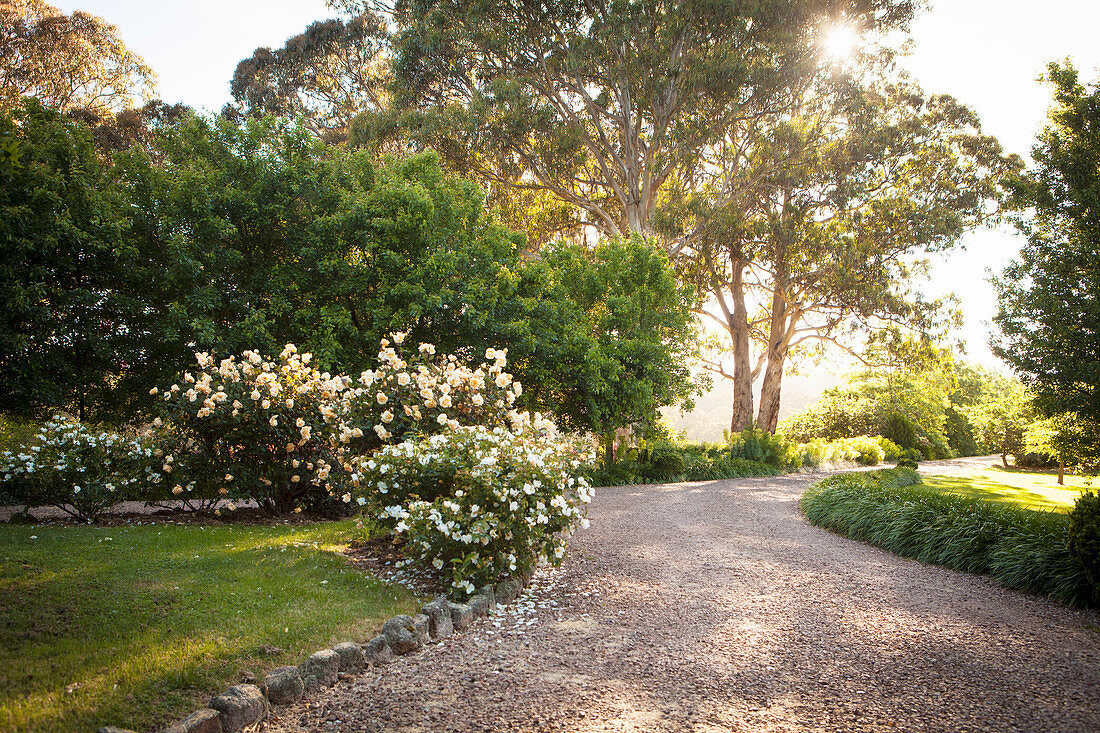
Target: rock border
(245,705)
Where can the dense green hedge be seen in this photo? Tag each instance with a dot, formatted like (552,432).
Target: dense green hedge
(1021,548)
(668,463)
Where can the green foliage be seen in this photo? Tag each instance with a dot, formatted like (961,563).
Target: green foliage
(1001,418)
(900,430)
(1084,536)
(667,462)
(760,446)
(16,432)
(65,278)
(260,236)
(1023,549)
(862,450)
(1049,312)
(606,334)
(960,433)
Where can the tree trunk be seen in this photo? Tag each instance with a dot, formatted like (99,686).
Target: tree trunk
(768,418)
(1004,459)
(1061,472)
(609,450)
(742,372)
(770,391)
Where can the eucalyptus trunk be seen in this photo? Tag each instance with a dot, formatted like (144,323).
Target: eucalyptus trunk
(771,390)
(742,371)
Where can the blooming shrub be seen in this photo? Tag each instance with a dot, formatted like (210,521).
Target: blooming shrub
(423,393)
(476,503)
(81,471)
(253,428)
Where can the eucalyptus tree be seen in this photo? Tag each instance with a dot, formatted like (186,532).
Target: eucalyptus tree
(833,204)
(326,75)
(66,61)
(602,104)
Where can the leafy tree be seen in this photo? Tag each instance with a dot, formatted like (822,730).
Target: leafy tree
(260,235)
(1002,418)
(64,277)
(837,201)
(66,61)
(607,339)
(1049,298)
(602,104)
(723,128)
(325,75)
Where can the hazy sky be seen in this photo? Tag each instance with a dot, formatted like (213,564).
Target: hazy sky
(987,53)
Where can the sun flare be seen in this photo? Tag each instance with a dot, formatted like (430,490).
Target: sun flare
(840,41)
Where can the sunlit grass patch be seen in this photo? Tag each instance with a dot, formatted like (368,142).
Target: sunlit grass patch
(1031,489)
(134,626)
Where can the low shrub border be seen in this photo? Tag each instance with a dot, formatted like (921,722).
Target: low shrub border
(1023,549)
(245,705)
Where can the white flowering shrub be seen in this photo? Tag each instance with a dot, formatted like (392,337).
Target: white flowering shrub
(77,469)
(253,428)
(423,393)
(476,503)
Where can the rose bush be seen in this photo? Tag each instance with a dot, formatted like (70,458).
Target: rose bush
(477,503)
(423,393)
(77,469)
(253,428)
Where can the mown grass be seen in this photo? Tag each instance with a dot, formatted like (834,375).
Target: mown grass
(136,626)
(1022,548)
(1030,489)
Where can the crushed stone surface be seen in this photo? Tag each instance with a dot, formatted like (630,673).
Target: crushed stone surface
(715,606)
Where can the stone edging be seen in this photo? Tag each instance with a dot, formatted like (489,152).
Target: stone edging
(244,705)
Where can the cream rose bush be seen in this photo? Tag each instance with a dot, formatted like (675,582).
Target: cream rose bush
(477,489)
(426,444)
(422,392)
(252,428)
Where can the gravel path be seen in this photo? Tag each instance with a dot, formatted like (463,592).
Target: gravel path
(715,607)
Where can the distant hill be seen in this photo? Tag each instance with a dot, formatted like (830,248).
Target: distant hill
(713,410)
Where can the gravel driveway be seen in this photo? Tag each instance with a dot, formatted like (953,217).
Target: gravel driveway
(715,607)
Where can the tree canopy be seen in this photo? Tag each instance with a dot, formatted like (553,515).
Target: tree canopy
(326,75)
(1049,298)
(66,61)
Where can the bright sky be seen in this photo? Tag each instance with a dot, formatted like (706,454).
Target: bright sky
(985,52)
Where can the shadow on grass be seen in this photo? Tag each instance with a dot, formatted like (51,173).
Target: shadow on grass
(134,626)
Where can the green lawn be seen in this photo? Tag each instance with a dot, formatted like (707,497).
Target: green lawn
(1032,489)
(135,626)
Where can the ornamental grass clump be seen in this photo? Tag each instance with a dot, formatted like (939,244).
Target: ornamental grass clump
(1021,548)
(79,470)
(253,428)
(476,504)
